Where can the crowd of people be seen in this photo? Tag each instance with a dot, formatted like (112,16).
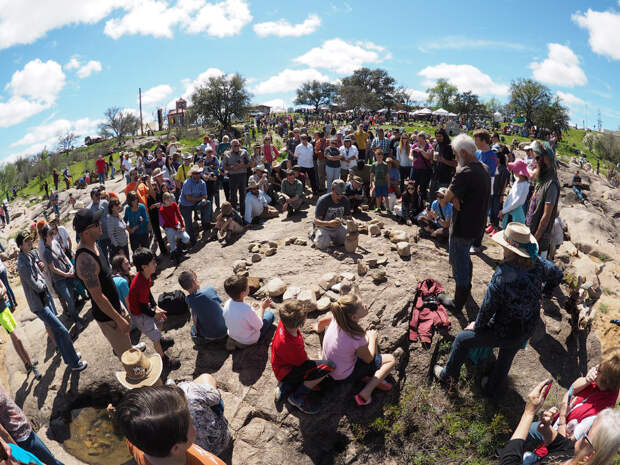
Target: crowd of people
(455,190)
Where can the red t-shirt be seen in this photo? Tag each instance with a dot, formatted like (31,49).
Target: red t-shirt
(195,455)
(139,291)
(171,215)
(286,351)
(100,164)
(592,402)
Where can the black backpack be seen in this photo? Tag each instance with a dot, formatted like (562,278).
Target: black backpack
(173,302)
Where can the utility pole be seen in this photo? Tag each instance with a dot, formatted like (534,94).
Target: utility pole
(140,98)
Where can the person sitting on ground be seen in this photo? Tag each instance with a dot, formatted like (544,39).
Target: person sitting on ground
(512,211)
(295,372)
(10,325)
(257,208)
(362,171)
(435,220)
(261,177)
(228,223)
(331,211)
(379,180)
(354,351)
(510,310)
(159,427)
(246,325)
(145,314)
(412,203)
(577,186)
(353,192)
(599,444)
(205,306)
(172,221)
(292,190)
(277,175)
(585,398)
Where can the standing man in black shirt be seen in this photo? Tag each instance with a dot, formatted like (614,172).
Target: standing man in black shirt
(469,193)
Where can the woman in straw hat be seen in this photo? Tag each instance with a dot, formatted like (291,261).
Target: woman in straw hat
(511,307)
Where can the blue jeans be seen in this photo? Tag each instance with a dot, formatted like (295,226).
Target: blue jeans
(268,319)
(101,178)
(112,171)
(61,336)
(64,288)
(578,193)
(331,174)
(127,178)
(9,291)
(205,218)
(460,260)
(105,245)
(466,340)
(35,446)
(494,210)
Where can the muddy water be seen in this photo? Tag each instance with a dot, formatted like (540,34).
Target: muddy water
(93,439)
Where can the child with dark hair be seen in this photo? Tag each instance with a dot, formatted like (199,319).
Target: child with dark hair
(159,429)
(145,313)
(246,325)
(294,371)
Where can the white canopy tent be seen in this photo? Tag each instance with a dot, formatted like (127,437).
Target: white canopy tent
(441,112)
(423,111)
(383,110)
(452,115)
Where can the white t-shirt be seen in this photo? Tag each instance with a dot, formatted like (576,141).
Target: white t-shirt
(242,322)
(305,155)
(63,237)
(127,165)
(352,152)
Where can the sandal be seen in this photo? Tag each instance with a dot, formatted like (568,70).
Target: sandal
(382,386)
(359,400)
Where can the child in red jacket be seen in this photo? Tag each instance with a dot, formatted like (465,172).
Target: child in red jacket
(172,221)
(295,373)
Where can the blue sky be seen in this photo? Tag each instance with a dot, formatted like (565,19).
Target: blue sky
(63,62)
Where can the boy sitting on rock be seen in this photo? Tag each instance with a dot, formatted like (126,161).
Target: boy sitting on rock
(295,373)
(205,306)
(246,325)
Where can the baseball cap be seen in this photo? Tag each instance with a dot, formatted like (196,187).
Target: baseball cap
(85,217)
(338,186)
(21,237)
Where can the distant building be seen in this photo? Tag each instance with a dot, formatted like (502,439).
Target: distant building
(176,117)
(259,109)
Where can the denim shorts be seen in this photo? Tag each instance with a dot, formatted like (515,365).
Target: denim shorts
(148,326)
(363,369)
(381,191)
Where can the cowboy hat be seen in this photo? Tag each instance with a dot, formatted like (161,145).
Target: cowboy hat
(275,165)
(187,156)
(140,370)
(157,172)
(195,169)
(260,167)
(252,184)
(517,238)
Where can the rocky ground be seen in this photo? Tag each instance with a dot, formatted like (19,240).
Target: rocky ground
(270,434)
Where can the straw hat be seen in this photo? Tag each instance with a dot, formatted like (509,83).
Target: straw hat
(517,238)
(140,370)
(260,167)
(187,156)
(275,165)
(195,169)
(157,172)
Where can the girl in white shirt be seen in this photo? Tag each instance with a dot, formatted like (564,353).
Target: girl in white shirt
(513,205)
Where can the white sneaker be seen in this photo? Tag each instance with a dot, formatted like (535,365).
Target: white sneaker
(81,366)
(141,346)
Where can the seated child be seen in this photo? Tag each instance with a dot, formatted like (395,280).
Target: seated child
(246,325)
(353,192)
(172,222)
(228,223)
(293,370)
(435,220)
(145,314)
(353,350)
(157,423)
(412,203)
(205,306)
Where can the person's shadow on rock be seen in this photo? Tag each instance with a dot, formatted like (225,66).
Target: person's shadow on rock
(250,362)
(210,357)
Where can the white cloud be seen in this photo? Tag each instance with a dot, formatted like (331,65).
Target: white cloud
(46,136)
(461,43)
(158,18)
(156,94)
(277,105)
(282,28)
(74,63)
(191,85)
(603,27)
(33,89)
(560,68)
(287,80)
(24,21)
(343,57)
(465,78)
(570,98)
(417,95)
(89,68)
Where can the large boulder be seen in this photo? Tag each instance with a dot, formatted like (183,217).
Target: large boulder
(403,249)
(276,287)
(328,280)
(308,299)
(291,292)
(397,235)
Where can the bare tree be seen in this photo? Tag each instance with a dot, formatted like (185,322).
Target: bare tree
(65,142)
(118,124)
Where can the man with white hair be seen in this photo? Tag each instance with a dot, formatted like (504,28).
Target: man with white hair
(469,194)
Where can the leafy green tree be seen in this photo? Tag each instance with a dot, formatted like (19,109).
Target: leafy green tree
(221,98)
(528,97)
(368,88)
(118,124)
(442,94)
(467,103)
(316,94)
(607,147)
(553,116)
